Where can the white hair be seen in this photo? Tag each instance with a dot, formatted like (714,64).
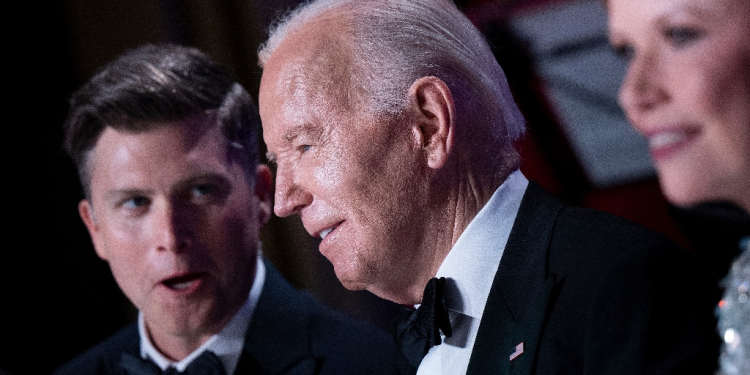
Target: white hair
(396,42)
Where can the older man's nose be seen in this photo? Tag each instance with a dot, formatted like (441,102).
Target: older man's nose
(290,197)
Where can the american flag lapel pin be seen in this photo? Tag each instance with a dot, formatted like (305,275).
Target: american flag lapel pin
(519,351)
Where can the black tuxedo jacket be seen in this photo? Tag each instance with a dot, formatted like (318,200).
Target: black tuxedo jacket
(289,333)
(585,292)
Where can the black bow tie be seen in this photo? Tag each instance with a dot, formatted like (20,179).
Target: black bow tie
(206,364)
(418,331)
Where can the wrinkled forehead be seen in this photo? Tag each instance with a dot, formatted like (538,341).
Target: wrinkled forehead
(313,65)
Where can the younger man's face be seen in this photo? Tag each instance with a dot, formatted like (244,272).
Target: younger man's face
(178,222)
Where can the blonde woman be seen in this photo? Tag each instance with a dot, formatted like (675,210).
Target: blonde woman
(687,90)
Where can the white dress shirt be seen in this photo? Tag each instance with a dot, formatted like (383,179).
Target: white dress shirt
(470,268)
(227,344)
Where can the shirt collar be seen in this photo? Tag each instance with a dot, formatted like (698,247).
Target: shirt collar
(471,264)
(744,244)
(227,344)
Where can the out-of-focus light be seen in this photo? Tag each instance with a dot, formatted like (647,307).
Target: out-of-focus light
(729,336)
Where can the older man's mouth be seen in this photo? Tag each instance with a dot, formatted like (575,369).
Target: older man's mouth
(325,232)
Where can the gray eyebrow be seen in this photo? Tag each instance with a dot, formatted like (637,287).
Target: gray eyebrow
(271,157)
(291,135)
(296,130)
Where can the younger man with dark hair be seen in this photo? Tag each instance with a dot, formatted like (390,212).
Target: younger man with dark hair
(164,141)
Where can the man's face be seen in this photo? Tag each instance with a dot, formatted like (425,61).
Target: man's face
(176,219)
(358,181)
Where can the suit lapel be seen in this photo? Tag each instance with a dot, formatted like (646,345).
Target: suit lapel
(527,333)
(277,340)
(516,308)
(128,344)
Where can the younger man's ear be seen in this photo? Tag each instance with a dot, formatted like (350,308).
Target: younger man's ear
(432,103)
(263,190)
(87,215)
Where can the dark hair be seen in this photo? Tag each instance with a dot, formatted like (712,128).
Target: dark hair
(153,84)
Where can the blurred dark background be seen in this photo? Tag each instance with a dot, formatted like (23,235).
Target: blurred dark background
(58,298)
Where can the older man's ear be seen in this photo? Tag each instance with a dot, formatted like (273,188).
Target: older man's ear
(432,105)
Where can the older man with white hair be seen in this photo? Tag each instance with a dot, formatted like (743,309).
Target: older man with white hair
(393,130)
(165,141)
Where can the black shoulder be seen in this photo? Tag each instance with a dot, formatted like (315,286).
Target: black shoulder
(593,246)
(637,299)
(104,358)
(356,346)
(343,344)
(588,235)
